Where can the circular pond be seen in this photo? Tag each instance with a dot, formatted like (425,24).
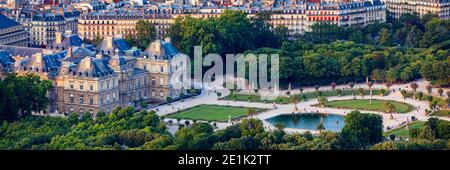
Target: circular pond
(331,122)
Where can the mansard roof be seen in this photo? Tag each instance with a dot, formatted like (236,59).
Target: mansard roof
(7,22)
(42,63)
(20,51)
(160,49)
(117,60)
(47,16)
(117,44)
(67,41)
(92,67)
(6,58)
(372,3)
(82,51)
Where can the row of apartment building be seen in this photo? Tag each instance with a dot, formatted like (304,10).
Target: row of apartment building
(42,25)
(397,8)
(90,19)
(297,19)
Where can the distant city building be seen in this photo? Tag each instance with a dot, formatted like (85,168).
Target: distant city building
(298,17)
(90,6)
(44,25)
(13,4)
(104,24)
(12,33)
(422,7)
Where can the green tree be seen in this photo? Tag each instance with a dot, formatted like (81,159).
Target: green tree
(389,107)
(370,84)
(322,100)
(407,74)
(385,37)
(413,37)
(361,130)
(429,89)
(251,127)
(97,40)
(21,95)
(145,34)
(361,92)
(404,93)
(251,112)
(339,92)
(436,32)
(351,85)
(357,37)
(440,91)
(388,145)
(419,95)
(414,86)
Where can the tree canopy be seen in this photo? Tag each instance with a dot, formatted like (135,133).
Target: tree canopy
(21,95)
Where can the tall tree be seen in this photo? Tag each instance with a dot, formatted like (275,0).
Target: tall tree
(414,86)
(24,94)
(145,34)
(361,130)
(370,84)
(385,37)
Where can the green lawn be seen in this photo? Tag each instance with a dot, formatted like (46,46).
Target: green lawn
(403,131)
(363,104)
(286,100)
(211,113)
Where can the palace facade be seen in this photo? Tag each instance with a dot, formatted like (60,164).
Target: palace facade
(92,79)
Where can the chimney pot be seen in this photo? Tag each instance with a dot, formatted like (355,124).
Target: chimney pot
(168,39)
(109,42)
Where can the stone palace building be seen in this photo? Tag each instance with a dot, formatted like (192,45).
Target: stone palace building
(92,79)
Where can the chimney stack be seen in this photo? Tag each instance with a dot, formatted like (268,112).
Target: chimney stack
(58,37)
(87,62)
(69,52)
(99,56)
(158,47)
(38,57)
(68,32)
(109,42)
(168,39)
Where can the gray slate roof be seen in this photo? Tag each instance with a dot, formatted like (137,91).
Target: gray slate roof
(6,22)
(5,58)
(118,44)
(161,50)
(22,51)
(67,41)
(92,67)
